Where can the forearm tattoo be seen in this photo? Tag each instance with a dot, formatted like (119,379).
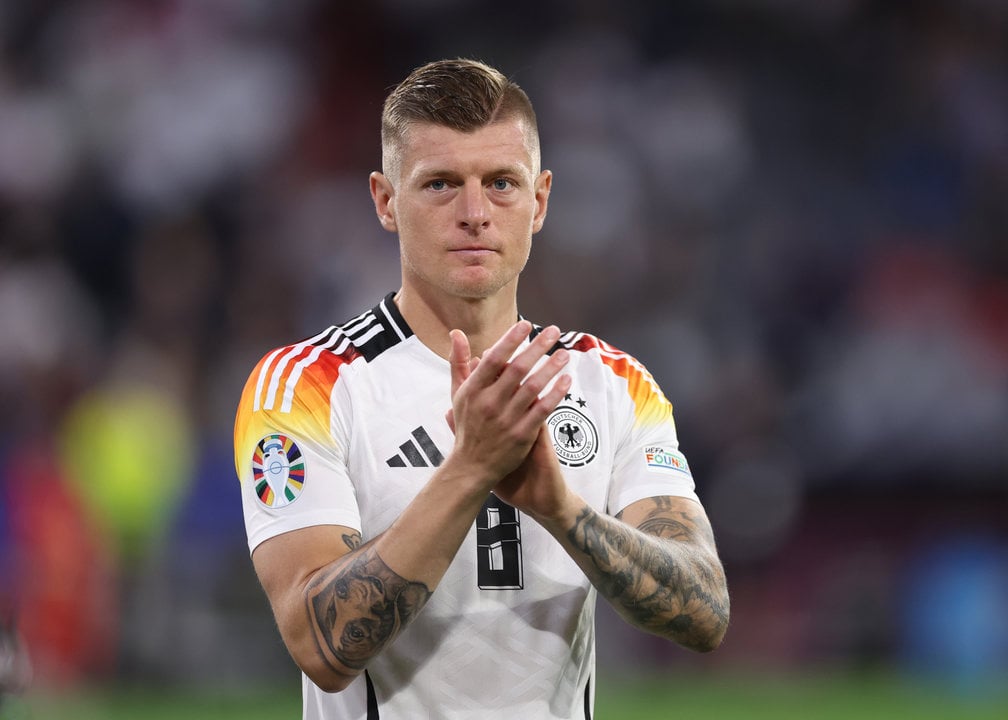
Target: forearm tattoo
(357,608)
(663,576)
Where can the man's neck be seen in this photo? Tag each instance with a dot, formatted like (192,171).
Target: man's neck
(483,320)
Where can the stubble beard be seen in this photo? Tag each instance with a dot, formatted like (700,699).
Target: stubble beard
(472,282)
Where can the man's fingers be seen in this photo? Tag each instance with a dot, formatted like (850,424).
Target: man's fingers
(552,397)
(458,358)
(534,362)
(509,380)
(537,413)
(494,360)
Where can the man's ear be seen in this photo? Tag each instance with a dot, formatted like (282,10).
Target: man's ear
(543,184)
(383,194)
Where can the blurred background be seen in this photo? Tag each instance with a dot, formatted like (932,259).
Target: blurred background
(794,213)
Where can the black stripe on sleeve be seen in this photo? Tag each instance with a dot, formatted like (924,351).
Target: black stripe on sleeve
(372,699)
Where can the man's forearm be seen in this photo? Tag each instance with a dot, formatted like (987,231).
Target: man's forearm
(664,577)
(358,606)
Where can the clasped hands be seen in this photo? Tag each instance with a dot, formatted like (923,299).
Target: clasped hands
(500,402)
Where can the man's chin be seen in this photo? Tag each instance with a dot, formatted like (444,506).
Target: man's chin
(476,285)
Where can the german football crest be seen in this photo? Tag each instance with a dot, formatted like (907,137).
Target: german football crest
(278,471)
(575,439)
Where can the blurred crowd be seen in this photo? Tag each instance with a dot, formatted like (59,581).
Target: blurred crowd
(795,214)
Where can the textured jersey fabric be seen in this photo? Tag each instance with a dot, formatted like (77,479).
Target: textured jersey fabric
(345,427)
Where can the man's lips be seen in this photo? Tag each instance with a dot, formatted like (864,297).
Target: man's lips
(474,250)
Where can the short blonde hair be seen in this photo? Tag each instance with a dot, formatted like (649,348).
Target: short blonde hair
(460,94)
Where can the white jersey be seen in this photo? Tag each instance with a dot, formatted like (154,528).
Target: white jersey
(344,428)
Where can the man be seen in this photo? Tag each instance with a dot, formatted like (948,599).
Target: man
(436,490)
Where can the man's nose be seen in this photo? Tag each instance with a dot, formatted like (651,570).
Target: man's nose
(473,207)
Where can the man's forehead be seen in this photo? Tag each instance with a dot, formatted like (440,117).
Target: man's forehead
(506,140)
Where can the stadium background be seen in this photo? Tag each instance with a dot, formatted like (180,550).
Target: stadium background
(794,213)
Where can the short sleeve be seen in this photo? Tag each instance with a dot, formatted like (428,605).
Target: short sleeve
(290,457)
(648,461)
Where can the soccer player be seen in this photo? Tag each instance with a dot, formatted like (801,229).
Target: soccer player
(436,491)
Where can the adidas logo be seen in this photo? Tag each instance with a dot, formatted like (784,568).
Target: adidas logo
(418,452)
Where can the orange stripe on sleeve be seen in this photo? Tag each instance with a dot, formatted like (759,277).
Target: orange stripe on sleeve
(305,376)
(650,404)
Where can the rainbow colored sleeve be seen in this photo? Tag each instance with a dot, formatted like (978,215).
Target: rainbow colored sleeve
(289,393)
(651,407)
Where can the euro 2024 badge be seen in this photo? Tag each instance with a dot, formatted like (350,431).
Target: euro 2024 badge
(278,471)
(575,439)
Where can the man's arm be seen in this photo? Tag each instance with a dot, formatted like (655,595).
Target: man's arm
(297,567)
(338,602)
(656,562)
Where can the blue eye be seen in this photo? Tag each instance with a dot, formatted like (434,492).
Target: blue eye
(501,184)
(438,185)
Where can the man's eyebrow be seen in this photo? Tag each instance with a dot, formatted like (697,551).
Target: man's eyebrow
(439,172)
(436,172)
(506,170)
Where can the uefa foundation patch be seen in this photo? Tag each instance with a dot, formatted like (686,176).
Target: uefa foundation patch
(278,471)
(661,459)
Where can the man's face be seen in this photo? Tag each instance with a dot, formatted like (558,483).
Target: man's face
(465,206)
